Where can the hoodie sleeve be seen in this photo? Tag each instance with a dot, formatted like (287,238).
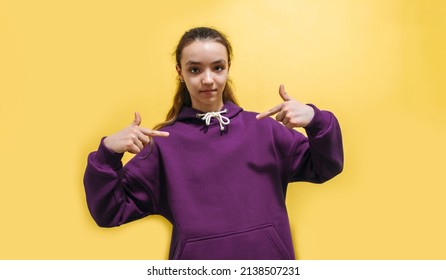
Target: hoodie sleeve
(319,157)
(118,194)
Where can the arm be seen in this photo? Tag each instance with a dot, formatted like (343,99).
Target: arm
(118,194)
(114,196)
(319,157)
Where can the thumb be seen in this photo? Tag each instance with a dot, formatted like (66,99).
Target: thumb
(137,120)
(283,94)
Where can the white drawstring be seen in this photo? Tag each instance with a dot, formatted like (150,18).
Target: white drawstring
(222,120)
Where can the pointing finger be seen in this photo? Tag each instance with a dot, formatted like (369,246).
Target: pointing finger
(154,133)
(270,112)
(137,120)
(283,93)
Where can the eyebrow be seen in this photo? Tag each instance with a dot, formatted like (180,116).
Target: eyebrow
(191,62)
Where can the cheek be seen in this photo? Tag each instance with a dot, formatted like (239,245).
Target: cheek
(192,85)
(223,78)
(191,81)
(223,81)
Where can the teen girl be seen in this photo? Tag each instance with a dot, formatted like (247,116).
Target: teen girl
(218,173)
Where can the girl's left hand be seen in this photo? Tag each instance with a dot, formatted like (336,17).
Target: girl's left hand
(291,112)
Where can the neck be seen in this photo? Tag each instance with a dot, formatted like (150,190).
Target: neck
(208,108)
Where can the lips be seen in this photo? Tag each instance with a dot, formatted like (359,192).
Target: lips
(208,91)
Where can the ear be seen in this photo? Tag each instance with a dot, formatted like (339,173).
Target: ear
(178,68)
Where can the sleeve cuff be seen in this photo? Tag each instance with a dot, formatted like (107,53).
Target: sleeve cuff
(319,123)
(107,156)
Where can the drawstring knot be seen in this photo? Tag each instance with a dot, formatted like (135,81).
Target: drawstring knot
(222,120)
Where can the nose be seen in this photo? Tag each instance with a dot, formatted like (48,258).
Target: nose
(207,78)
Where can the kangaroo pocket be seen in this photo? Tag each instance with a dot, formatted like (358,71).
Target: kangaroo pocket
(259,243)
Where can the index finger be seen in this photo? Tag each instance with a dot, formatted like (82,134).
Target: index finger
(154,133)
(270,112)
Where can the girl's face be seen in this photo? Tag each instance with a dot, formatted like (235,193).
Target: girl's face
(204,69)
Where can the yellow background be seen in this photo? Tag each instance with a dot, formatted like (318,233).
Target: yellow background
(73,71)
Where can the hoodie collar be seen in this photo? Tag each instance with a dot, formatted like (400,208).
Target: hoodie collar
(190,114)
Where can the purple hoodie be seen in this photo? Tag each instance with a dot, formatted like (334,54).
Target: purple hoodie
(223,191)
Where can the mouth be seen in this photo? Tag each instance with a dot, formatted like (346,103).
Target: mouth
(208,91)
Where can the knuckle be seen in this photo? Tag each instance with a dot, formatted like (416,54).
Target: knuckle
(145,141)
(133,138)
(129,144)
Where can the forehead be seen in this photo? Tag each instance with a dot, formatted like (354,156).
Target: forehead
(204,51)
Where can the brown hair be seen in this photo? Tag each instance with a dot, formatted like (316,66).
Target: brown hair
(182,96)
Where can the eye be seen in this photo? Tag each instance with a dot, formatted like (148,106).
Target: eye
(194,70)
(219,68)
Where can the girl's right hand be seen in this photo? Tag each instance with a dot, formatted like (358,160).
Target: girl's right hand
(132,139)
